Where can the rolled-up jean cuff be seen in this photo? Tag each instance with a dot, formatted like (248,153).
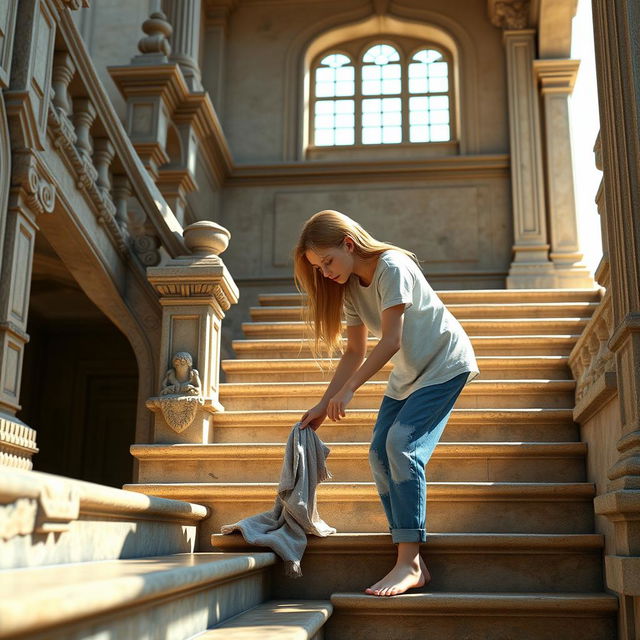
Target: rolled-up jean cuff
(408,535)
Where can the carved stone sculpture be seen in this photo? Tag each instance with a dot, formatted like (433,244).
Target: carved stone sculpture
(182,378)
(181,393)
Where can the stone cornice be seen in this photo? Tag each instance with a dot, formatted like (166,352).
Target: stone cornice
(556,76)
(451,168)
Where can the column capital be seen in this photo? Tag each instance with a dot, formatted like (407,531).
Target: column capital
(509,14)
(556,75)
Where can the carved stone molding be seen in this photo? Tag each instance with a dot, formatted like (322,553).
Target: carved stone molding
(509,14)
(73,5)
(18,518)
(40,194)
(17,443)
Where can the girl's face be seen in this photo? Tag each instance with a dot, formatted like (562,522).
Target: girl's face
(335,263)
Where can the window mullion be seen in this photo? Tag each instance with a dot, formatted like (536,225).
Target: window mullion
(404,97)
(357,97)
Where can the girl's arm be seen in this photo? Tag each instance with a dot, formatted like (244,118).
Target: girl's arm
(388,345)
(351,359)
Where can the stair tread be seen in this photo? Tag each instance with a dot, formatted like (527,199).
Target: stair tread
(550,603)
(268,450)
(274,620)
(89,588)
(467,542)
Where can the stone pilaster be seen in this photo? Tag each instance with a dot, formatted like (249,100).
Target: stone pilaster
(556,80)
(195,291)
(185,18)
(31,195)
(531,267)
(617,48)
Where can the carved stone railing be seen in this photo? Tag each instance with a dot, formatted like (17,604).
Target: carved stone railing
(72,163)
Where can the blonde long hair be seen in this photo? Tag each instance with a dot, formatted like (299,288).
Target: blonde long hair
(322,297)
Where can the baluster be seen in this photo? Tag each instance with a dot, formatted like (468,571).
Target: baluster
(121,194)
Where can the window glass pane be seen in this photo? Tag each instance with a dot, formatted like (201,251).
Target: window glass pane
(324,121)
(417,85)
(418,117)
(438,102)
(438,85)
(371,104)
(344,88)
(344,74)
(324,74)
(345,106)
(439,117)
(324,89)
(391,71)
(344,120)
(439,133)
(323,137)
(418,134)
(391,104)
(344,136)
(417,70)
(335,60)
(418,104)
(371,136)
(371,72)
(324,106)
(381,54)
(438,69)
(392,135)
(371,119)
(427,56)
(371,87)
(392,119)
(390,87)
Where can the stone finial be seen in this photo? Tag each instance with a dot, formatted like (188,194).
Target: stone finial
(509,14)
(155,47)
(206,237)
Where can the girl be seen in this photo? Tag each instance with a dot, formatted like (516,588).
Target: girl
(381,288)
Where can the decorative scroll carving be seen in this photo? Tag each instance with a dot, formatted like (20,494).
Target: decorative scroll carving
(59,505)
(509,14)
(40,194)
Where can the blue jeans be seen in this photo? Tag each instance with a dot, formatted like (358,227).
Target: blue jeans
(404,437)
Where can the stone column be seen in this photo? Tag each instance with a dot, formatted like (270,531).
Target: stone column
(31,195)
(195,291)
(531,267)
(185,18)
(617,47)
(556,79)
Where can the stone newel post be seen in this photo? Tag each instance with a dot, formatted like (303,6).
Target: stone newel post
(195,291)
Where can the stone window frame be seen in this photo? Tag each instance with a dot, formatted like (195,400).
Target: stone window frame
(355,49)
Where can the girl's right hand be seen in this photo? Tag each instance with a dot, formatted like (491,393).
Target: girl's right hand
(314,417)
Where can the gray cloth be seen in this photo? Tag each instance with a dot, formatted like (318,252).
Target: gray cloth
(295,512)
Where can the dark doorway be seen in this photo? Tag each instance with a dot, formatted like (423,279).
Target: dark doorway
(79,381)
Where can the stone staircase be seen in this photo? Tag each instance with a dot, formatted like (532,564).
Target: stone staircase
(511,544)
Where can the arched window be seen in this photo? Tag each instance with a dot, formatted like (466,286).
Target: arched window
(389,96)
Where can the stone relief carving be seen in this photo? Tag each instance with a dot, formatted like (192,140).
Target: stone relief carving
(181,393)
(182,378)
(510,14)
(18,518)
(40,193)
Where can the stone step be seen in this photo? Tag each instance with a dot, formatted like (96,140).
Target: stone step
(185,593)
(473,327)
(475,616)
(581,309)
(90,522)
(310,370)
(354,507)
(458,562)
(348,462)
(472,425)
(479,296)
(525,345)
(557,394)
(275,620)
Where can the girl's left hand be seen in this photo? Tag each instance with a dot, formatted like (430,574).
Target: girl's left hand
(338,404)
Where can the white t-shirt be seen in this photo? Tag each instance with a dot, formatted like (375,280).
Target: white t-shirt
(434,347)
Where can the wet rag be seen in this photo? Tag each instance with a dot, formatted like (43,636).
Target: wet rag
(295,514)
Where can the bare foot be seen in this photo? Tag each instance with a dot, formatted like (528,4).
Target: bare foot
(402,577)
(425,572)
